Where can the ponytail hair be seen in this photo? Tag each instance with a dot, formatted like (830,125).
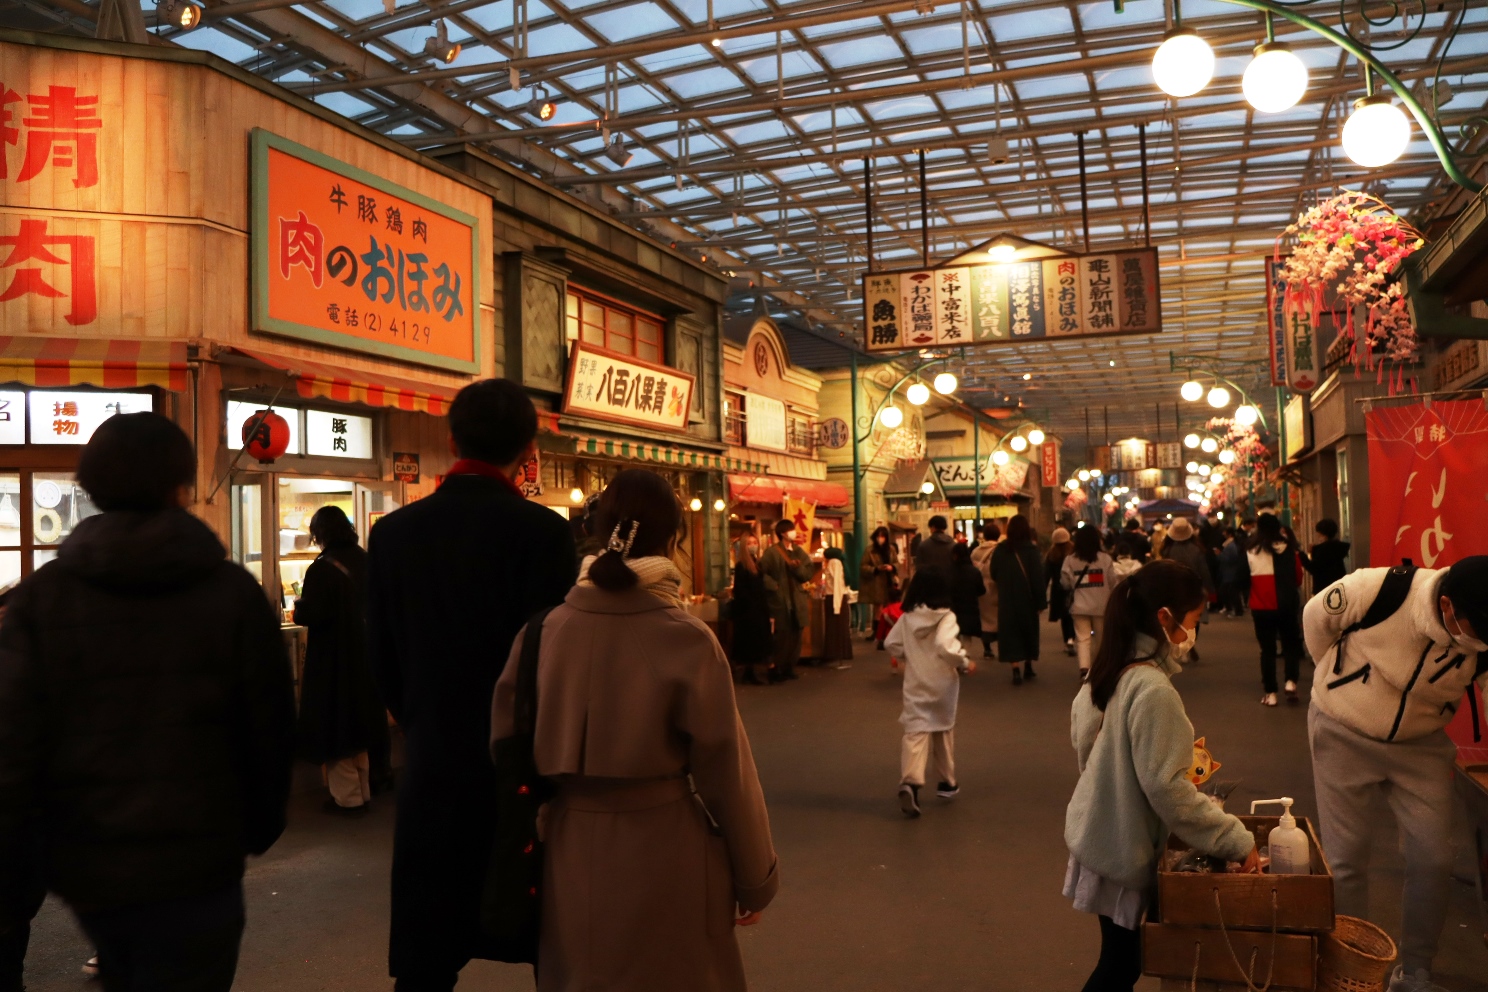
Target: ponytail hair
(1131,610)
(639,515)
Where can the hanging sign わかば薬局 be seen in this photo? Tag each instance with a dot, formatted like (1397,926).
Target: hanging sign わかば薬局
(345,258)
(611,386)
(1063,296)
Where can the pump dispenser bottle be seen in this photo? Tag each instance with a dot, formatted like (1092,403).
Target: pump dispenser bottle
(1290,850)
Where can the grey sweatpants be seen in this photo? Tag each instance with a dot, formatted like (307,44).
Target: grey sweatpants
(1415,777)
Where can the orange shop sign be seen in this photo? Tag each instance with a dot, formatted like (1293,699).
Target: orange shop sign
(345,258)
(617,387)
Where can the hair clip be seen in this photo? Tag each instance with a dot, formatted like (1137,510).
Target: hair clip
(635,525)
(621,545)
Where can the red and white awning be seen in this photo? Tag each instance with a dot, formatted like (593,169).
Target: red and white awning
(773,489)
(315,380)
(108,362)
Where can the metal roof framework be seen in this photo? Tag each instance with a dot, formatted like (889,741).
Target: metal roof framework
(749,121)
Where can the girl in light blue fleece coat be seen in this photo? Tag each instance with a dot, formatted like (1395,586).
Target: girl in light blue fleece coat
(1135,745)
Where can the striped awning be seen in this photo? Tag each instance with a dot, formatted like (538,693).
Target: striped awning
(686,458)
(108,362)
(773,489)
(315,380)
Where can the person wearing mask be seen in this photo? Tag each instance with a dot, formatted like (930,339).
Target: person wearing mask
(638,729)
(967,588)
(927,641)
(1183,545)
(878,577)
(1159,540)
(787,568)
(1018,570)
(1060,547)
(754,641)
(837,602)
(1274,569)
(342,718)
(453,577)
(146,722)
(1134,744)
(1232,574)
(1083,576)
(981,557)
(1396,649)
(1327,562)
(936,550)
(1133,543)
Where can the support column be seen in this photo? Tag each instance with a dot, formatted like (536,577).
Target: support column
(860,537)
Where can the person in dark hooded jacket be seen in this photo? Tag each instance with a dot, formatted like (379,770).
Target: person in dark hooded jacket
(146,722)
(937,551)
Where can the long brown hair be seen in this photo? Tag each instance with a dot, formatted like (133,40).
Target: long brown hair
(1132,610)
(640,511)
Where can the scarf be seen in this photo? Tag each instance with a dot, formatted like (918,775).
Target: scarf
(657,575)
(472,466)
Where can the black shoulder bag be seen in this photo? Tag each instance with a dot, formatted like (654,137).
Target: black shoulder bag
(511,905)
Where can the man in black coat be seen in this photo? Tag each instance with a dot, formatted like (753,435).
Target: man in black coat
(454,577)
(146,723)
(937,551)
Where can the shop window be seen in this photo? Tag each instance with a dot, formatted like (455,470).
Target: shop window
(318,433)
(800,436)
(38,510)
(611,325)
(734,420)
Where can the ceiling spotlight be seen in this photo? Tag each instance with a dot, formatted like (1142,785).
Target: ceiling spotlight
(1246,415)
(1084,475)
(1219,397)
(719,504)
(1035,436)
(891,416)
(1112,363)
(1209,445)
(182,13)
(439,46)
(576,495)
(927,487)
(695,505)
(1000,457)
(1191,390)
(918,393)
(615,151)
(1227,457)
(1275,79)
(924,7)
(1376,133)
(998,152)
(1191,468)
(542,106)
(1018,443)
(716,43)
(1191,441)
(1027,376)
(945,384)
(1183,64)
(1002,254)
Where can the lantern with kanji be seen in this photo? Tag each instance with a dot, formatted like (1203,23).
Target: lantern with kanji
(265,435)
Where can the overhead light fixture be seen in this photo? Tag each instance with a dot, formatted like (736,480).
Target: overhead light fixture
(998,152)
(1072,485)
(1276,78)
(181,13)
(719,504)
(1209,445)
(1002,254)
(1227,457)
(716,43)
(918,393)
(576,495)
(541,106)
(1084,475)
(1000,457)
(946,383)
(695,505)
(1027,376)
(1183,64)
(439,46)
(1192,468)
(891,416)
(615,151)
(1018,443)
(1205,470)
(1192,390)
(927,487)
(1219,397)
(1035,436)
(1246,415)
(1112,363)
(1376,133)
(1191,441)
(1215,478)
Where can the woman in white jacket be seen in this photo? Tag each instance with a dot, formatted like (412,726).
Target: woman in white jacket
(1086,576)
(927,640)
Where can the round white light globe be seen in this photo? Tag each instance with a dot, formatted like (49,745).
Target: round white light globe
(1376,133)
(1219,397)
(945,384)
(1191,390)
(1275,79)
(918,393)
(1227,456)
(1035,436)
(1000,457)
(1018,443)
(927,488)
(576,495)
(1205,470)
(720,505)
(1084,475)
(1191,441)
(1216,479)
(1246,415)
(891,416)
(1210,445)
(1072,485)
(695,505)
(1183,64)
(1003,254)
(1191,468)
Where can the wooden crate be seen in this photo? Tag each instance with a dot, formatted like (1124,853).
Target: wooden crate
(1304,903)
(1171,952)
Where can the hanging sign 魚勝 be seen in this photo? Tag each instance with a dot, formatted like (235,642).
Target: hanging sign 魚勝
(627,390)
(345,258)
(1064,296)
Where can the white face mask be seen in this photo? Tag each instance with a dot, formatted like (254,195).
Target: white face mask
(1181,648)
(1463,641)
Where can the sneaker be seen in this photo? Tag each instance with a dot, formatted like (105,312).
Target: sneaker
(1269,699)
(946,790)
(1291,691)
(90,967)
(1419,982)
(909,800)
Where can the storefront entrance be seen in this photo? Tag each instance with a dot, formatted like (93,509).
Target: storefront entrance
(38,510)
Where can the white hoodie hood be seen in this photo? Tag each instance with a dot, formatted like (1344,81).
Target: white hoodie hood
(928,642)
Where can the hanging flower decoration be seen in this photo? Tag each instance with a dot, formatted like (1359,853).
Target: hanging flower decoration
(1251,453)
(1346,255)
(1076,499)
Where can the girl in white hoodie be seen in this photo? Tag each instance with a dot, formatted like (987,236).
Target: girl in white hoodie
(927,640)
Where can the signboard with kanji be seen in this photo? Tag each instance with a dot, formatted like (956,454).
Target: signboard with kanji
(1299,330)
(610,386)
(346,258)
(1065,296)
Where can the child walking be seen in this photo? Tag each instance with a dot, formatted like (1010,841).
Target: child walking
(927,640)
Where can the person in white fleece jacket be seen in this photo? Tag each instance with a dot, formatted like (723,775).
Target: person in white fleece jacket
(1381,698)
(927,640)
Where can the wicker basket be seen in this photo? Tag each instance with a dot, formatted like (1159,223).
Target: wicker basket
(1356,957)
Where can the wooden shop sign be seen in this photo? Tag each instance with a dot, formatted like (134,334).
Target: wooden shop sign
(627,390)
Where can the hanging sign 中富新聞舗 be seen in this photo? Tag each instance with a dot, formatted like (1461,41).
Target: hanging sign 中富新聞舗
(1061,296)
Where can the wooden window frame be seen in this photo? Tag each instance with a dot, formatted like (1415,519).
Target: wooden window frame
(611,340)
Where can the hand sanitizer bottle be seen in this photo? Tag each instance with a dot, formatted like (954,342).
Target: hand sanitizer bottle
(1290,850)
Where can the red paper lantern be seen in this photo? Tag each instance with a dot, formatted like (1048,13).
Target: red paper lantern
(265,435)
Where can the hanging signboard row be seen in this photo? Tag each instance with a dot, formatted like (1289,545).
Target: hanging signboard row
(1066,296)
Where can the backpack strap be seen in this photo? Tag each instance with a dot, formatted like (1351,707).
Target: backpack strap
(1393,593)
(524,718)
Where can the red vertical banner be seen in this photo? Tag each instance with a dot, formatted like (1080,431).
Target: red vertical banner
(1049,463)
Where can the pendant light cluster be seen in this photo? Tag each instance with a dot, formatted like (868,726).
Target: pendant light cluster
(1376,133)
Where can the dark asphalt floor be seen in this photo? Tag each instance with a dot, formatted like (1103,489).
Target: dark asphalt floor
(965,898)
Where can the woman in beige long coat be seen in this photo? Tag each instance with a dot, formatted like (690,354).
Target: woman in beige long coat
(641,890)
(981,557)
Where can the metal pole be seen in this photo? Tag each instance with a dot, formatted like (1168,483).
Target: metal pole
(976,462)
(924,214)
(1146,199)
(868,210)
(859,537)
(1084,190)
(1281,433)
